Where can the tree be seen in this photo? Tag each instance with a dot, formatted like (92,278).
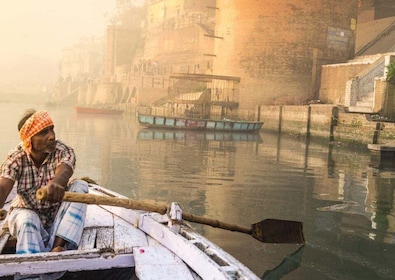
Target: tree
(391,73)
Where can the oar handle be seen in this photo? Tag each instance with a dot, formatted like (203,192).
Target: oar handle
(42,194)
(132,204)
(215,223)
(3,214)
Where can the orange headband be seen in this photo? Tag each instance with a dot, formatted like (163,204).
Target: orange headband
(33,125)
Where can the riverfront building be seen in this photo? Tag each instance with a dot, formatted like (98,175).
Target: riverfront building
(285,52)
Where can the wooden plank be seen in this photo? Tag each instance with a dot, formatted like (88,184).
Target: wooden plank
(3,240)
(102,234)
(229,264)
(154,242)
(4,234)
(157,262)
(193,256)
(129,215)
(96,216)
(88,239)
(207,259)
(105,239)
(65,261)
(127,236)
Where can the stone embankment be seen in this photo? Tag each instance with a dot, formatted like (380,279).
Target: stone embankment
(319,121)
(327,122)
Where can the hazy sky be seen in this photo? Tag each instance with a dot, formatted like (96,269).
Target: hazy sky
(44,27)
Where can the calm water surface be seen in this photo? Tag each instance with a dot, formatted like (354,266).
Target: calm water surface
(347,207)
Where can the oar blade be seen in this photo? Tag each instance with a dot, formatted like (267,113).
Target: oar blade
(278,231)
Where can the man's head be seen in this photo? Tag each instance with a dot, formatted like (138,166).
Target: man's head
(36,132)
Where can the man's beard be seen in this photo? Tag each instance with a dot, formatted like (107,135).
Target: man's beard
(50,148)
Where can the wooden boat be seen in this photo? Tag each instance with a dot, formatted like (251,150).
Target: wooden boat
(98,110)
(127,242)
(153,121)
(199,102)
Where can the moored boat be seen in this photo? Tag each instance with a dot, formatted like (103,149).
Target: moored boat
(149,245)
(200,102)
(153,121)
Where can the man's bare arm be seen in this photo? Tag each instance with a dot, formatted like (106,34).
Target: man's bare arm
(56,187)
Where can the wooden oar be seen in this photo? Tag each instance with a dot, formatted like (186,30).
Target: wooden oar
(3,214)
(268,231)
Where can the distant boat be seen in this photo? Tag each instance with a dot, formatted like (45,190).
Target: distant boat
(199,124)
(98,110)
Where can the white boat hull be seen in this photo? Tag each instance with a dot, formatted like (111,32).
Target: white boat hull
(116,237)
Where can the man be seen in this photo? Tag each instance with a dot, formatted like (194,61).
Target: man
(41,161)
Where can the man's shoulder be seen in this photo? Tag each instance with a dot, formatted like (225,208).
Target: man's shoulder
(15,156)
(17,152)
(64,154)
(64,151)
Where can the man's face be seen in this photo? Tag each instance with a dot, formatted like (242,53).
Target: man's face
(44,141)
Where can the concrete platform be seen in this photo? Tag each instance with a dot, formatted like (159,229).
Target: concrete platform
(382,155)
(388,147)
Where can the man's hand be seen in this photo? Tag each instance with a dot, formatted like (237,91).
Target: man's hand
(56,187)
(55,191)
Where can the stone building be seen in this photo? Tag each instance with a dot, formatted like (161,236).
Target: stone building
(278,47)
(285,52)
(176,36)
(80,64)
(82,60)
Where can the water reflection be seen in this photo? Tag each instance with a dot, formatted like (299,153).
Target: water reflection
(381,203)
(344,203)
(367,208)
(289,264)
(155,134)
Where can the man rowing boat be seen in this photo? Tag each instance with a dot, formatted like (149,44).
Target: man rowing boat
(42,161)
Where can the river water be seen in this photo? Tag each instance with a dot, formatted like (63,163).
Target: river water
(346,205)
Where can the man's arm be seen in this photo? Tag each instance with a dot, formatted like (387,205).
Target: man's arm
(5,189)
(56,187)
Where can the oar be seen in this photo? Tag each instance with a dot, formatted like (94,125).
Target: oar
(3,214)
(268,231)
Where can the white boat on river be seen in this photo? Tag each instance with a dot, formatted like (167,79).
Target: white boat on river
(122,243)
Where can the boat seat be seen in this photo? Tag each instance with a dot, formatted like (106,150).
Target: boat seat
(103,230)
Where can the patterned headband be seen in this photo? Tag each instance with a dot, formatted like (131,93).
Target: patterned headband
(33,125)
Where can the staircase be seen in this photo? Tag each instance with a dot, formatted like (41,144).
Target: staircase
(362,94)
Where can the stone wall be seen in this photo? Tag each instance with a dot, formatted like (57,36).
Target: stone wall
(327,122)
(176,36)
(298,120)
(346,84)
(334,79)
(278,47)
